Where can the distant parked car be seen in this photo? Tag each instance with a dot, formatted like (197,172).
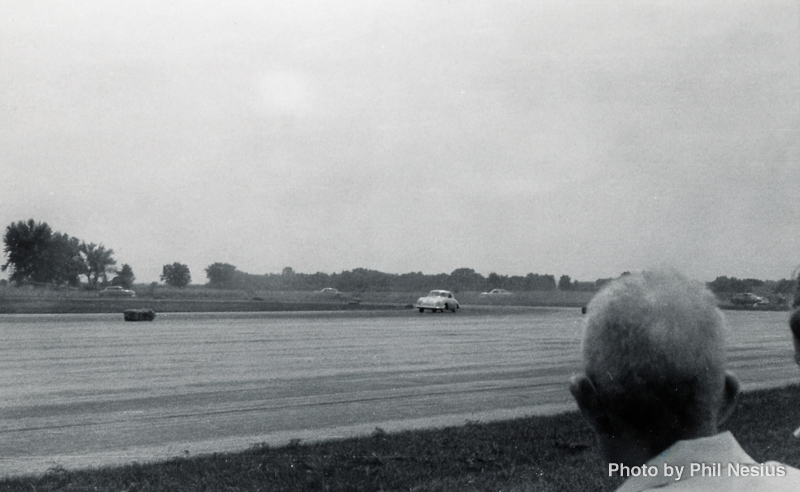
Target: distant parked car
(329,290)
(748,299)
(496,292)
(116,291)
(437,300)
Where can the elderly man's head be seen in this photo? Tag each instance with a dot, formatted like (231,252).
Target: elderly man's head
(654,361)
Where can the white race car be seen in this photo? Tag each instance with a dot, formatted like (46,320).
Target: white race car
(437,300)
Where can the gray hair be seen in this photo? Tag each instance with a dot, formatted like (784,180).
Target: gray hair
(654,347)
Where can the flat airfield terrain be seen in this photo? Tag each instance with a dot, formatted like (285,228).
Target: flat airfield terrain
(89,390)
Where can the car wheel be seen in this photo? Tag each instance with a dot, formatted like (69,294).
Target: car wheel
(421,310)
(446,307)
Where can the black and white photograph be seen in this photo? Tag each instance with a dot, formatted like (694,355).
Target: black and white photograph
(385,245)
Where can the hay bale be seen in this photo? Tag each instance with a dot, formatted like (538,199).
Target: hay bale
(139,315)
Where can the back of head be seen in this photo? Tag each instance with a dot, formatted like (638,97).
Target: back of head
(654,348)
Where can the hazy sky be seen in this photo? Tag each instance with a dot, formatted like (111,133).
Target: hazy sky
(582,138)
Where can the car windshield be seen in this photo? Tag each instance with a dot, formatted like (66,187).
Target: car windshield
(437,293)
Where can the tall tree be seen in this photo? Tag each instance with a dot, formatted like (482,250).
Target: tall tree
(25,247)
(220,274)
(564,283)
(176,275)
(64,258)
(39,255)
(33,253)
(124,276)
(99,262)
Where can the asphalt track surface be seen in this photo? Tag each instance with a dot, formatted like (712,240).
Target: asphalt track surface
(92,390)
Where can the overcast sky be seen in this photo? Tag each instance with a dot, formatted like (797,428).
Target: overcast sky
(582,138)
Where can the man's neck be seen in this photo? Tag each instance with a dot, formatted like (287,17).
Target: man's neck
(626,450)
(629,449)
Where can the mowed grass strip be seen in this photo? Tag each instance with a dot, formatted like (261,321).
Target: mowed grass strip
(536,453)
(202,299)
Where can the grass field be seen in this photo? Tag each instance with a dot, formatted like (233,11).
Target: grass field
(197,298)
(536,453)
(15,300)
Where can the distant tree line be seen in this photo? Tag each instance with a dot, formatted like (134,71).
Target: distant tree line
(734,285)
(38,255)
(227,276)
(566,283)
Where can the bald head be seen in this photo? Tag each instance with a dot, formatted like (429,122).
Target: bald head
(654,351)
(653,327)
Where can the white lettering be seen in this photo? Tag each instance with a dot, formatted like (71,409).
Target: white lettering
(676,471)
(632,471)
(760,470)
(706,470)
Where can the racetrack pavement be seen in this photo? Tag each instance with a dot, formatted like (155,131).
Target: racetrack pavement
(92,390)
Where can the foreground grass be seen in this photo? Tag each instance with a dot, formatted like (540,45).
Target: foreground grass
(530,454)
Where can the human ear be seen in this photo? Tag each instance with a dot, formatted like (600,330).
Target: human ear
(731,393)
(585,394)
